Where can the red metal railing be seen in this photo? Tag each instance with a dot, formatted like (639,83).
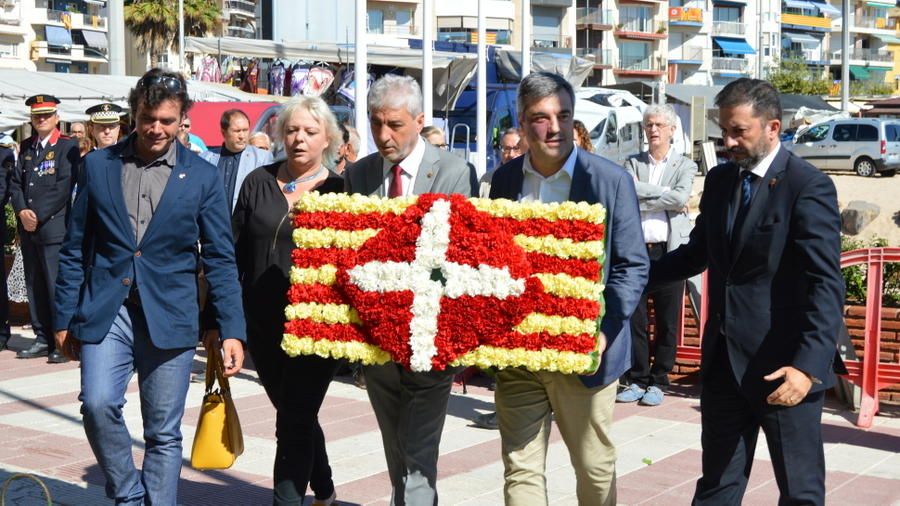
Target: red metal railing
(869,373)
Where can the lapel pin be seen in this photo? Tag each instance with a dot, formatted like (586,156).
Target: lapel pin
(772,183)
(182,175)
(429,175)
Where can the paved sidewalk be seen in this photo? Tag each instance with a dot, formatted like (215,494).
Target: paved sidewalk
(658,463)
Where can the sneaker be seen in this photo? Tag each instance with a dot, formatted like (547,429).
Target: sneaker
(631,393)
(653,397)
(486,421)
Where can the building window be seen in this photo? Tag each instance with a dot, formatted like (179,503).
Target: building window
(375,21)
(634,56)
(732,14)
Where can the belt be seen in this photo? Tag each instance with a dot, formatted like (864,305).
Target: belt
(134,298)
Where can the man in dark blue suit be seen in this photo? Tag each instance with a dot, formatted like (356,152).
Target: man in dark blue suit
(769,233)
(127,293)
(554,170)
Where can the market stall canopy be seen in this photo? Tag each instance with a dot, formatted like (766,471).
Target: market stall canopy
(451,71)
(575,70)
(77,92)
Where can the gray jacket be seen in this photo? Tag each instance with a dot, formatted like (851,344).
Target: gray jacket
(678,176)
(251,158)
(440,172)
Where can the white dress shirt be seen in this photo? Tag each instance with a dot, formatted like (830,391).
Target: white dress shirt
(556,188)
(655,224)
(409,168)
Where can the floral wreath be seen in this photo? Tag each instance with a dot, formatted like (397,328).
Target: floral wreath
(436,281)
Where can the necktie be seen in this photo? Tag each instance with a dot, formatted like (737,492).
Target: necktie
(396,188)
(747,179)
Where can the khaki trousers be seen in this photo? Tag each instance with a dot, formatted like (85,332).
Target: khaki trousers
(525,401)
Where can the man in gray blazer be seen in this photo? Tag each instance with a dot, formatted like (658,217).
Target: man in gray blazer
(663,180)
(410,406)
(236,158)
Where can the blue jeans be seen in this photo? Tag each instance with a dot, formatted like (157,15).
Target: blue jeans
(163,379)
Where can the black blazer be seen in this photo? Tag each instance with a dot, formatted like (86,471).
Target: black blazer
(43,182)
(775,290)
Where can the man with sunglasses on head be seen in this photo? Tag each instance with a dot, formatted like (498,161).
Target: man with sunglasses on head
(40,193)
(127,294)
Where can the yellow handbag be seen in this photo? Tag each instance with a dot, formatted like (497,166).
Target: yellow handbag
(218,441)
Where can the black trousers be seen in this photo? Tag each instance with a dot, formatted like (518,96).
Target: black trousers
(731,417)
(41,263)
(4,294)
(297,388)
(667,301)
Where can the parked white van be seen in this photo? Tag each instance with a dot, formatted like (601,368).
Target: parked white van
(867,146)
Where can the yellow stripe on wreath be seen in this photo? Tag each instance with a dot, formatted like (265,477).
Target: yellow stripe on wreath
(555,325)
(580,211)
(355,351)
(566,362)
(331,238)
(560,247)
(324,275)
(322,313)
(564,285)
(354,204)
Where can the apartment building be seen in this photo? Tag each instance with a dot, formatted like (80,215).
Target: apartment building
(54,35)
(240,18)
(806,28)
(871,36)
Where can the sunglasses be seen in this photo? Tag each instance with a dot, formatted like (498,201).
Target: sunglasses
(171,83)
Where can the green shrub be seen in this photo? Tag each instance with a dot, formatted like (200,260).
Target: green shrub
(855,278)
(10,229)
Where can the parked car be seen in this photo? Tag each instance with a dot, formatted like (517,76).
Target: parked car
(866,146)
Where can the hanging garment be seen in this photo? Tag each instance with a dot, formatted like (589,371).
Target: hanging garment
(299,75)
(209,70)
(318,81)
(251,78)
(277,75)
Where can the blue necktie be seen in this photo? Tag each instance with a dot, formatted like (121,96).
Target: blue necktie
(747,179)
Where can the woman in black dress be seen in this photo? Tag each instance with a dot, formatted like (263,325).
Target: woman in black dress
(262,233)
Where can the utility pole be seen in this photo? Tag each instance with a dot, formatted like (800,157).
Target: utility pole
(845,56)
(116,20)
(181,65)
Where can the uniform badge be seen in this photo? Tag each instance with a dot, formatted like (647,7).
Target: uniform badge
(51,170)
(50,155)
(28,158)
(39,99)
(105,107)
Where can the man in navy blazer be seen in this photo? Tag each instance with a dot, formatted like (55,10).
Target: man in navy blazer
(126,294)
(555,170)
(769,234)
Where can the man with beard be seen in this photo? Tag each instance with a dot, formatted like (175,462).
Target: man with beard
(769,234)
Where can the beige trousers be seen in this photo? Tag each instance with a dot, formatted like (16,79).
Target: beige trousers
(525,401)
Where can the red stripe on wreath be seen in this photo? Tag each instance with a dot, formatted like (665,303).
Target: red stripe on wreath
(342,221)
(577,343)
(559,306)
(323,294)
(575,230)
(317,257)
(571,266)
(332,332)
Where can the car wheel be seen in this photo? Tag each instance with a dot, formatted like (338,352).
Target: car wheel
(888,173)
(864,167)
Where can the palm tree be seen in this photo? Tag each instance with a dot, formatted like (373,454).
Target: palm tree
(154,23)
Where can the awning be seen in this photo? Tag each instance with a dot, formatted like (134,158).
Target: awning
(859,73)
(58,36)
(889,39)
(884,4)
(96,40)
(801,38)
(827,9)
(799,4)
(734,46)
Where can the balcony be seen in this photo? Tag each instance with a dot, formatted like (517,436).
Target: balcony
(873,23)
(406,30)
(729,28)
(809,56)
(872,57)
(593,18)
(687,55)
(239,8)
(77,52)
(735,66)
(602,57)
(73,20)
(640,29)
(650,66)
(806,21)
(244,32)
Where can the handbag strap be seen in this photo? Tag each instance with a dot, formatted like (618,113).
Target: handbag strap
(215,369)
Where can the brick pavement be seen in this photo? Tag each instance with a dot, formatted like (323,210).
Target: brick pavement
(658,448)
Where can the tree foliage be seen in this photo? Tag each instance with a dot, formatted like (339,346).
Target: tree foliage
(794,76)
(154,23)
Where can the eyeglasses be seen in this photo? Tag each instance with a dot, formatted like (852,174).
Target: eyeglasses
(171,83)
(508,149)
(651,126)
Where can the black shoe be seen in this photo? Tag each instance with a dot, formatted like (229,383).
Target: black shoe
(359,379)
(36,350)
(3,344)
(56,357)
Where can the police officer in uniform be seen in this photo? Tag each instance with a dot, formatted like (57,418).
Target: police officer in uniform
(104,125)
(41,191)
(7,166)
